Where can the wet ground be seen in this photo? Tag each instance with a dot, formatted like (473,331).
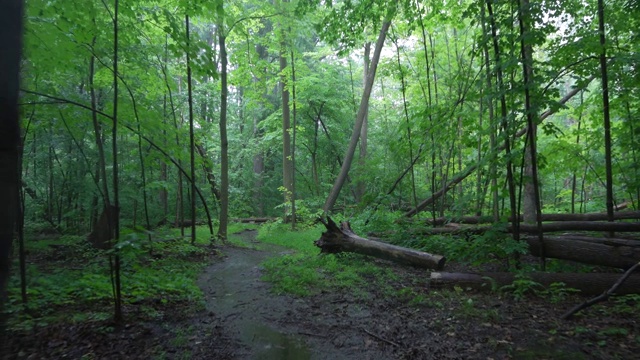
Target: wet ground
(368,324)
(245,320)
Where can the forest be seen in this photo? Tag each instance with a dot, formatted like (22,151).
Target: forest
(350,179)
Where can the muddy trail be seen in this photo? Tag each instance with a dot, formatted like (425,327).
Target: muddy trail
(254,323)
(264,325)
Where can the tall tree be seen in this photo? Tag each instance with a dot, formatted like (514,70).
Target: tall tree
(605,111)
(10,53)
(362,112)
(224,142)
(287,157)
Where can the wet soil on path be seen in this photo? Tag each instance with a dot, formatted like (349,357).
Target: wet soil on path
(370,324)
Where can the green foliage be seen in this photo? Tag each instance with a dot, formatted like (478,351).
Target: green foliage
(305,271)
(70,277)
(521,287)
(558,292)
(493,246)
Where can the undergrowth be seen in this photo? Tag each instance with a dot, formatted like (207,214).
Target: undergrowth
(68,280)
(306,271)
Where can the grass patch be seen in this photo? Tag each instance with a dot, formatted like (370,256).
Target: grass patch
(306,271)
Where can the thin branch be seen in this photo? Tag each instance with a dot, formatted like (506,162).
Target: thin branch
(604,296)
(381,338)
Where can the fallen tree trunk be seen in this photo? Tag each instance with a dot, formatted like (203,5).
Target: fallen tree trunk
(343,239)
(599,216)
(604,296)
(258,220)
(583,226)
(585,252)
(588,284)
(456,229)
(596,240)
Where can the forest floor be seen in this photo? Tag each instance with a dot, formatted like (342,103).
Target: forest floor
(243,319)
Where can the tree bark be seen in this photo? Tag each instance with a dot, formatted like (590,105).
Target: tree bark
(362,112)
(287,163)
(586,252)
(588,284)
(224,142)
(605,111)
(343,239)
(453,228)
(11,45)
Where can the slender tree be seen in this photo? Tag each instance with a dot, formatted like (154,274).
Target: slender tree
(362,111)
(605,111)
(114,216)
(224,142)
(192,144)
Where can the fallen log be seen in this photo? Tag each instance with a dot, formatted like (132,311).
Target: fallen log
(343,239)
(583,226)
(596,240)
(457,229)
(586,252)
(599,216)
(604,296)
(587,283)
(255,220)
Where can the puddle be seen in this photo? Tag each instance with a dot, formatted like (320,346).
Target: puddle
(235,294)
(270,344)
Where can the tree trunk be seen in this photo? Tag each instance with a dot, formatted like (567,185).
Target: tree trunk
(545,217)
(586,252)
(605,111)
(343,239)
(114,217)
(588,284)
(11,44)
(361,186)
(453,228)
(224,142)
(362,111)
(287,164)
(192,145)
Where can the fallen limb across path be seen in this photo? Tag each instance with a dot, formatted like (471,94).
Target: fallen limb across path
(588,284)
(343,239)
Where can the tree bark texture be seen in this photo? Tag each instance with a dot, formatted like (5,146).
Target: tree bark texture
(533,229)
(586,252)
(588,284)
(343,239)
(10,53)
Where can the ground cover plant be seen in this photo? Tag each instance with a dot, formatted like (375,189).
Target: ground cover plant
(69,290)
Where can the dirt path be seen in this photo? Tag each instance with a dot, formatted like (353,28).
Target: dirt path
(369,323)
(251,314)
